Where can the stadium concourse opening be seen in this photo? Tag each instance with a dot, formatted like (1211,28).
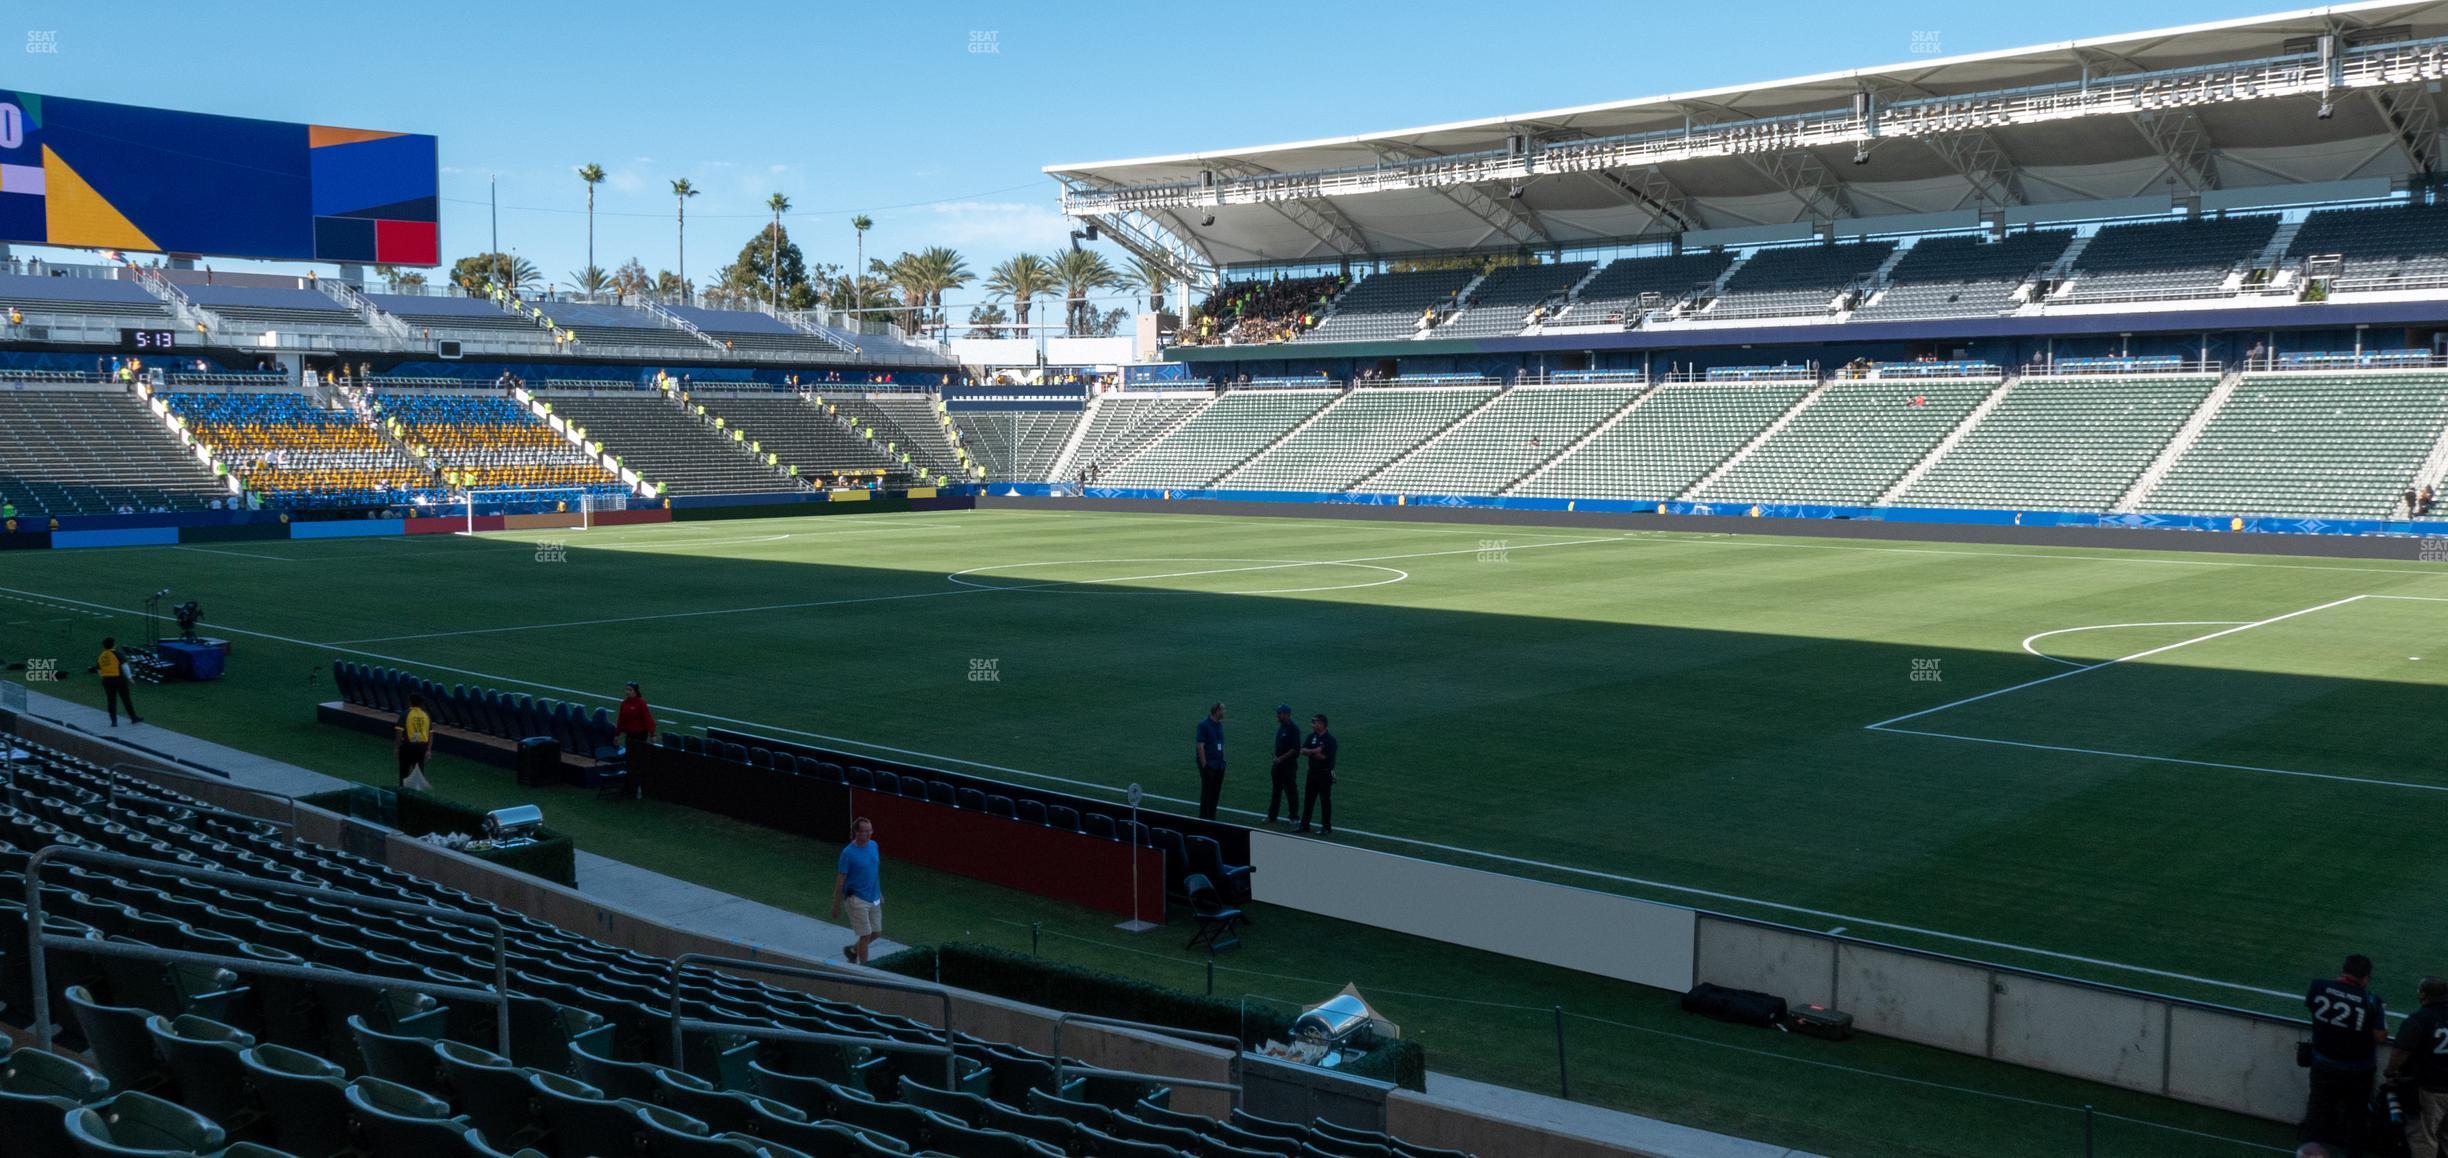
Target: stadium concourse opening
(1948,552)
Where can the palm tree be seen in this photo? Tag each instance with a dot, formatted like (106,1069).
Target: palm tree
(682,190)
(591,281)
(943,268)
(780,205)
(1081,272)
(1153,276)
(1021,278)
(859,226)
(593,175)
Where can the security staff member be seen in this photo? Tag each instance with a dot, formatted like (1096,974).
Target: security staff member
(1287,756)
(113,671)
(2420,1059)
(1208,747)
(2348,1025)
(415,737)
(1320,790)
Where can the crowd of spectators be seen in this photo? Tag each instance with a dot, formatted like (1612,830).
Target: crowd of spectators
(1253,312)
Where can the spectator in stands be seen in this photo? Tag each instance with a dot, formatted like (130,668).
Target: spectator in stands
(2348,1025)
(1319,792)
(2420,1059)
(113,671)
(858,883)
(1287,757)
(635,723)
(1207,748)
(413,740)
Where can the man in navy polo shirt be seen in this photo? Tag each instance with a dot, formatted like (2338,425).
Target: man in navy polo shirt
(2348,1024)
(1318,794)
(1208,747)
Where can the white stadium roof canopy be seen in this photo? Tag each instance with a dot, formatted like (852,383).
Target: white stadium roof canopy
(2324,102)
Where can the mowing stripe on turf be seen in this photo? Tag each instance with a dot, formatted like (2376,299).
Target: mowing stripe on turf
(963,590)
(1501,858)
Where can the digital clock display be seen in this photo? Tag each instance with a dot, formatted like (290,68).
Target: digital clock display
(148,339)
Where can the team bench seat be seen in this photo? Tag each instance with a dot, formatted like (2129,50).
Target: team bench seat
(479,723)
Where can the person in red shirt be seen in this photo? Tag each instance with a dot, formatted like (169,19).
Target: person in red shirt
(636,722)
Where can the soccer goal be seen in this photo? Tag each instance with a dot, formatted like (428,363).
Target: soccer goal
(539,508)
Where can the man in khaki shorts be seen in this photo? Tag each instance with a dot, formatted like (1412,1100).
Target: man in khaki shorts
(858,882)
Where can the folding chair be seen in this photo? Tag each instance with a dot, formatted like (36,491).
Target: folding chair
(1219,924)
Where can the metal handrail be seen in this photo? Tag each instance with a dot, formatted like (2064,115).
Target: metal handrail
(1230,1043)
(41,940)
(844,976)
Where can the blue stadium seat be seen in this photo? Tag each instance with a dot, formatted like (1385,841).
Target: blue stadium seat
(1033,811)
(1099,824)
(942,792)
(1063,816)
(887,783)
(972,800)
(1000,806)
(1207,859)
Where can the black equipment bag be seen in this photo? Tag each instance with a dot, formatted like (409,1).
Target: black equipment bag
(1740,1006)
(1822,1022)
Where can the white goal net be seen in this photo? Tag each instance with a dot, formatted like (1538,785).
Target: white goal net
(535,508)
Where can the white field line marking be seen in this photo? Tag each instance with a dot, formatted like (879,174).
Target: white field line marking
(1753,539)
(2027,640)
(2414,598)
(47,603)
(2160,650)
(238,554)
(907,595)
(2340,778)
(1502,858)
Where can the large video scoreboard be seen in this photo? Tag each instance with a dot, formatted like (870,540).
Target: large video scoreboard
(108,176)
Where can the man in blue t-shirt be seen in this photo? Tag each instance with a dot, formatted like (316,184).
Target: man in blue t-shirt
(1208,748)
(858,883)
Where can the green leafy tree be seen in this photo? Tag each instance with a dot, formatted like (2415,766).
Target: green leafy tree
(400,279)
(756,274)
(987,321)
(630,280)
(669,286)
(470,273)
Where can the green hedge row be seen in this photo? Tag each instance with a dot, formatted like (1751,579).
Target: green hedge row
(553,856)
(1078,989)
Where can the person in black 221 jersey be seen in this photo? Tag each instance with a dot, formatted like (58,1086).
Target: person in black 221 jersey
(2348,1025)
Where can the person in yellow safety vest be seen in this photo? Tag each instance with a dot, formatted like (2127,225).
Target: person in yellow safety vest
(113,671)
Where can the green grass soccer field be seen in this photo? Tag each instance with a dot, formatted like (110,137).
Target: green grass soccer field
(2208,775)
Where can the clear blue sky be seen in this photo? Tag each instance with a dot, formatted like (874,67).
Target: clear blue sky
(884,108)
